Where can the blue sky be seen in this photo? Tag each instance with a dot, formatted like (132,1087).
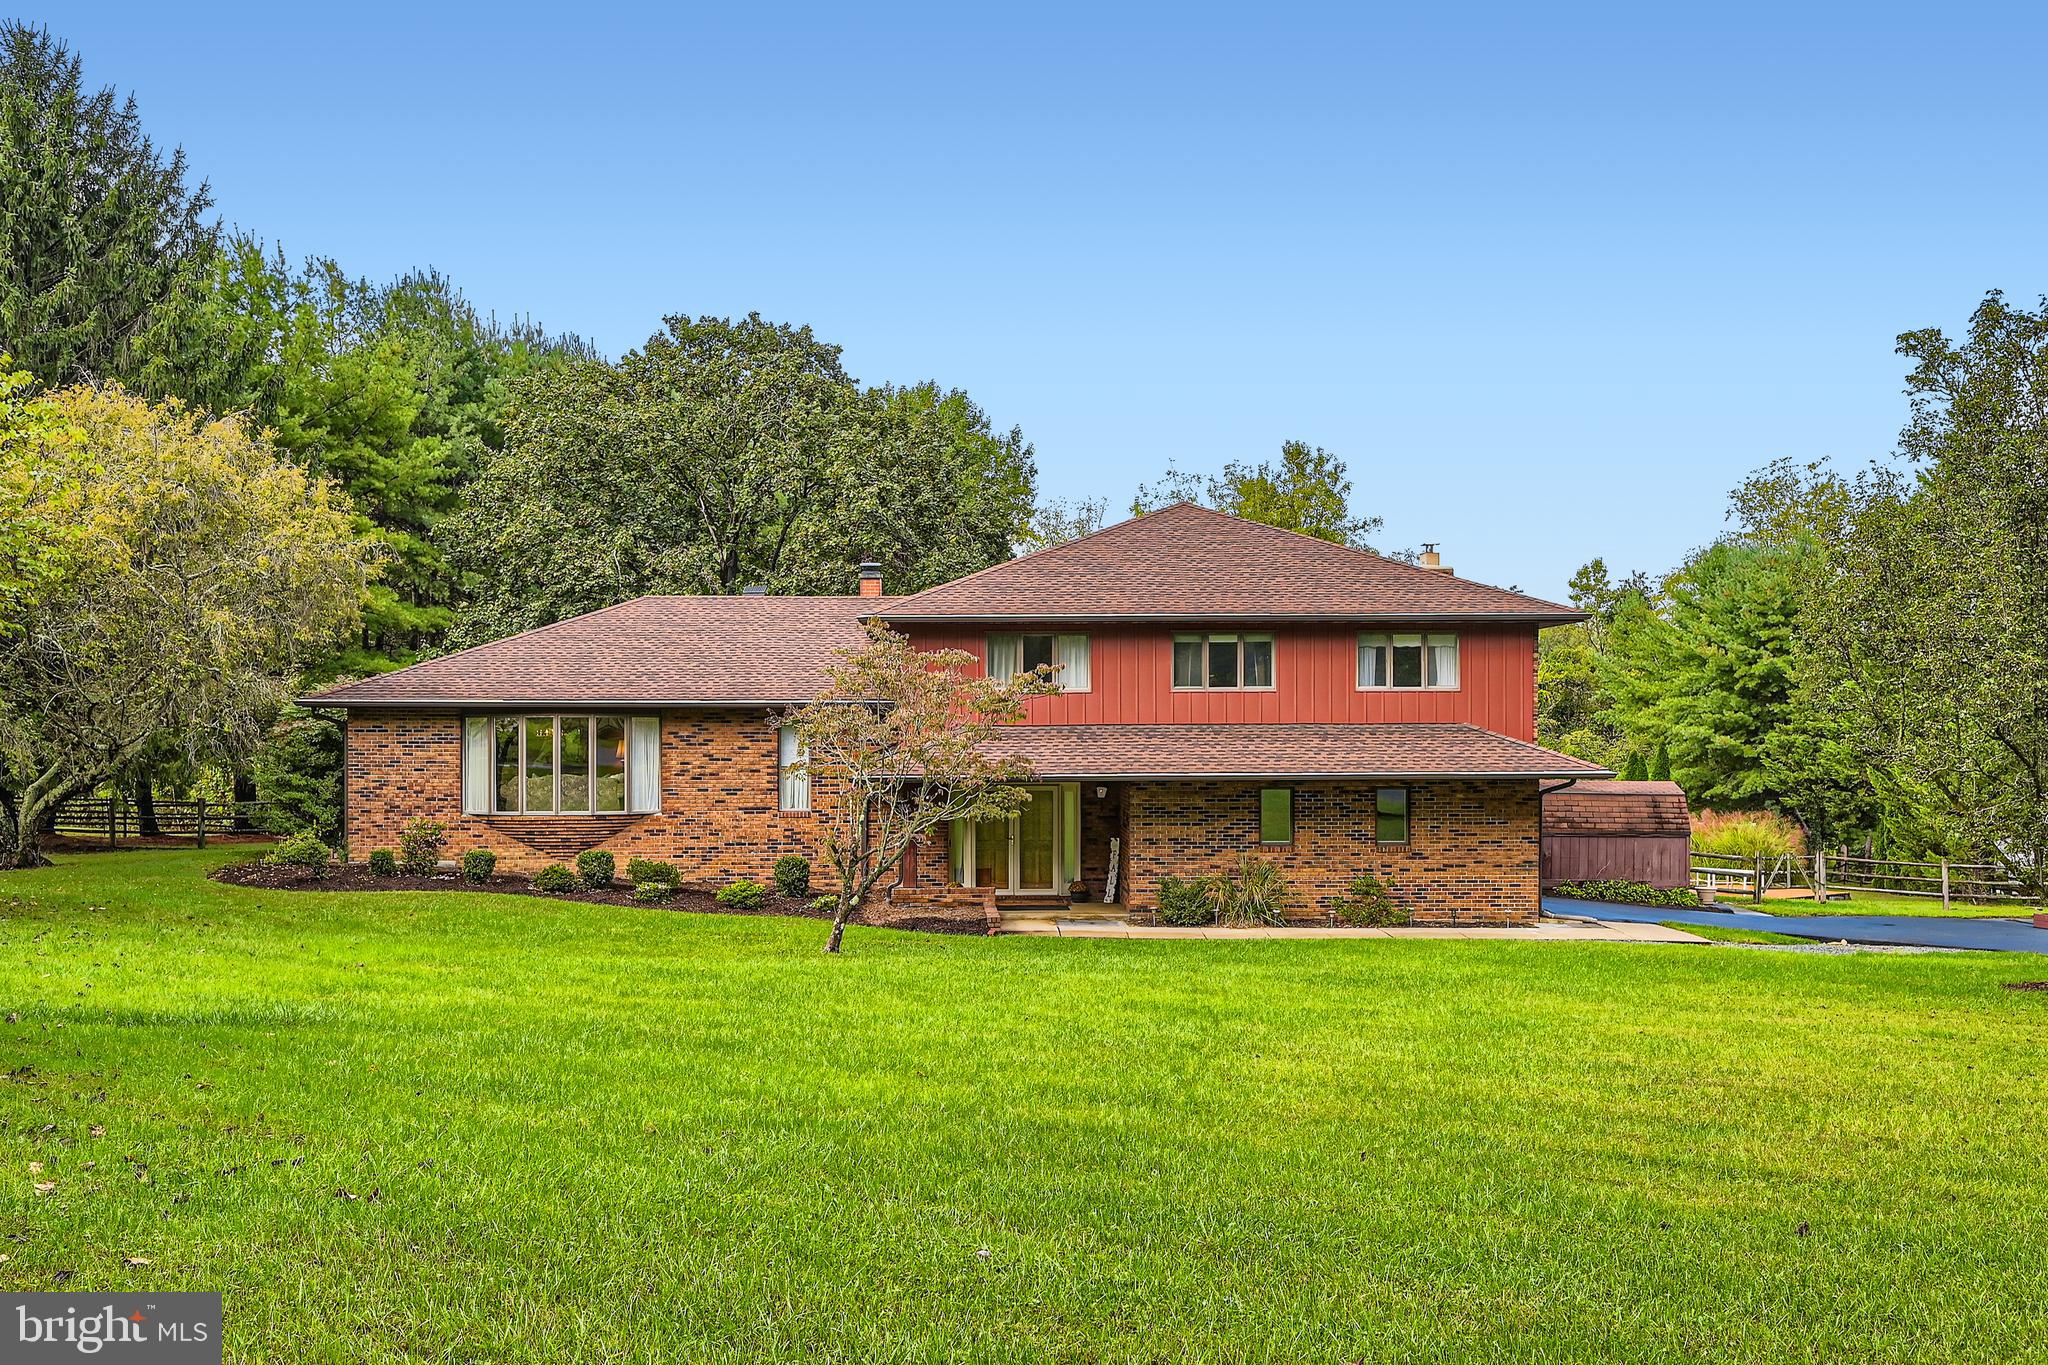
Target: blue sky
(1550,280)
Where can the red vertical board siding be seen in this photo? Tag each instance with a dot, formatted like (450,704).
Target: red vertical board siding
(1314,673)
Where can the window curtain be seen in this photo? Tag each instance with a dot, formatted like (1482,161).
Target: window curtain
(1005,657)
(1443,661)
(1071,654)
(476,765)
(643,764)
(1372,661)
(796,779)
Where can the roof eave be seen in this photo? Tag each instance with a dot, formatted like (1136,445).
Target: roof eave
(1530,618)
(1411,775)
(575,703)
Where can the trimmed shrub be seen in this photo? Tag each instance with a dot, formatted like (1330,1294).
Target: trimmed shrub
(419,847)
(305,852)
(555,877)
(478,864)
(1746,833)
(741,895)
(1256,893)
(594,868)
(647,892)
(1187,901)
(383,863)
(1626,893)
(824,905)
(793,876)
(1367,904)
(642,871)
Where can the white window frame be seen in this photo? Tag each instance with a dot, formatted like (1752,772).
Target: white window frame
(1427,640)
(1070,652)
(1237,640)
(491,721)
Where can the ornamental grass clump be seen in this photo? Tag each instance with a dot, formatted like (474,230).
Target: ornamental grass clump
(1256,893)
(1747,834)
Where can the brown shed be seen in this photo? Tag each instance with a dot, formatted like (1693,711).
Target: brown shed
(1624,831)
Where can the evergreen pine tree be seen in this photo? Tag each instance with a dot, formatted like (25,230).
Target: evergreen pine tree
(1637,770)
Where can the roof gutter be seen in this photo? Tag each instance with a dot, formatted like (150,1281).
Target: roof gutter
(1556,618)
(1091,774)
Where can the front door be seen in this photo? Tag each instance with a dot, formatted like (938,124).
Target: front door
(1037,839)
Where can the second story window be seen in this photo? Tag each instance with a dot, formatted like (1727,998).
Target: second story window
(1223,662)
(1009,655)
(1407,661)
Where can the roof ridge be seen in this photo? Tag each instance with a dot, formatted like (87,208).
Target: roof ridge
(1045,550)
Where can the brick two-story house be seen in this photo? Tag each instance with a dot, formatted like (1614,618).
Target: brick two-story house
(1227,688)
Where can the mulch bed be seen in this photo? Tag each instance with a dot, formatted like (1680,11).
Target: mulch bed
(693,900)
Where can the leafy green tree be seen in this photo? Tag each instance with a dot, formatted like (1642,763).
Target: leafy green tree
(1307,489)
(1935,601)
(1056,521)
(723,454)
(101,239)
(297,773)
(394,391)
(201,573)
(1575,710)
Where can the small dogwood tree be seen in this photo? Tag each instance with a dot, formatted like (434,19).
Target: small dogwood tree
(902,741)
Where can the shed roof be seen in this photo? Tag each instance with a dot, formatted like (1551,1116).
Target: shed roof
(1611,807)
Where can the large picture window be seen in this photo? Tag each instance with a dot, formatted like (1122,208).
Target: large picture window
(1009,655)
(561,764)
(1220,663)
(1402,661)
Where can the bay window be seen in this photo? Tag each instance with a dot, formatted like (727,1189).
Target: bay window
(1419,660)
(1216,663)
(574,764)
(1009,655)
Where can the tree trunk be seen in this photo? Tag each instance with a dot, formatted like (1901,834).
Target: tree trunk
(245,792)
(839,918)
(145,807)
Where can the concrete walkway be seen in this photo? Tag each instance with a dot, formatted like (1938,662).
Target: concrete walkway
(1915,931)
(1550,931)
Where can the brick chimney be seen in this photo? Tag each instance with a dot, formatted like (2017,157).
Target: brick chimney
(1432,560)
(870,579)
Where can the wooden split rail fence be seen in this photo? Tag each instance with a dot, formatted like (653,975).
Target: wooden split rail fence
(114,819)
(1824,872)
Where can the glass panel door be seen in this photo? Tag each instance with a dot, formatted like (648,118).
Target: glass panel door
(576,763)
(1038,840)
(992,853)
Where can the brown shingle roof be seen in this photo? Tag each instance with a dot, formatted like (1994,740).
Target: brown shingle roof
(1187,562)
(1617,808)
(682,650)
(1297,751)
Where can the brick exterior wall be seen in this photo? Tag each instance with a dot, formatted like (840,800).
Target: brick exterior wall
(720,816)
(1472,857)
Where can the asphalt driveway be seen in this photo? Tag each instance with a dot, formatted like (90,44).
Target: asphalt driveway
(1991,935)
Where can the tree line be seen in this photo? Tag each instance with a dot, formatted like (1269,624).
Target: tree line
(495,476)
(1865,653)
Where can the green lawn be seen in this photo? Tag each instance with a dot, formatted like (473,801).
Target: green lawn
(465,1127)
(1884,903)
(1728,934)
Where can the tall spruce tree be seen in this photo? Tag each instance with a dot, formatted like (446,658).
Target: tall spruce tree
(101,240)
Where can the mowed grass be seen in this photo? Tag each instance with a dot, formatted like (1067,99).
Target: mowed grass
(462,1127)
(1716,933)
(1886,903)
